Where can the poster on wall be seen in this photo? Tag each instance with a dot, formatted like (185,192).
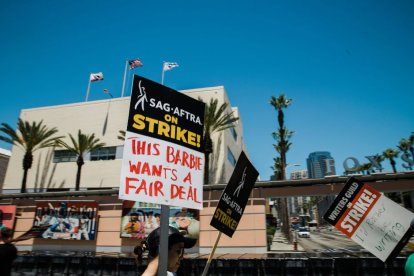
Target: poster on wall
(139,219)
(163,159)
(67,220)
(7,216)
(372,220)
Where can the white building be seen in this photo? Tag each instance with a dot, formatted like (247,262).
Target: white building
(55,168)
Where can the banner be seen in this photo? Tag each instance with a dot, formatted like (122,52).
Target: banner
(7,216)
(67,220)
(371,219)
(234,197)
(163,160)
(140,219)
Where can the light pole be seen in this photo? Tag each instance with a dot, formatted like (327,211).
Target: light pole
(288,166)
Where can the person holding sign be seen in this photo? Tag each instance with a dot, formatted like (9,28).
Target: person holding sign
(176,244)
(8,252)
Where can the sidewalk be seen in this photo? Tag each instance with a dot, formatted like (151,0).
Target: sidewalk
(281,244)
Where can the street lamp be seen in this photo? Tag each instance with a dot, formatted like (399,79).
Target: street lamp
(290,165)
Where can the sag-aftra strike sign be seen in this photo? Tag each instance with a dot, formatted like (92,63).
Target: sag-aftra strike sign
(163,160)
(371,219)
(234,197)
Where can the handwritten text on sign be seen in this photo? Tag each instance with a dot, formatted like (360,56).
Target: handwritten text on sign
(160,171)
(371,219)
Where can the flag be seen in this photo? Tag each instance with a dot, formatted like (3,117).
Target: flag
(134,63)
(96,77)
(169,65)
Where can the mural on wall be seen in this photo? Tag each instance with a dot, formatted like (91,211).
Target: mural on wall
(68,220)
(140,219)
(7,216)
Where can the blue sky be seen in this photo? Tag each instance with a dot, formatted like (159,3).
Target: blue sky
(347,65)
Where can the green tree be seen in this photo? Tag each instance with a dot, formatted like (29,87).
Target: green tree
(411,144)
(379,158)
(277,168)
(390,154)
(364,168)
(29,136)
(404,147)
(282,146)
(83,144)
(216,119)
(280,103)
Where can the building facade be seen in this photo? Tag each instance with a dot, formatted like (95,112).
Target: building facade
(54,169)
(4,160)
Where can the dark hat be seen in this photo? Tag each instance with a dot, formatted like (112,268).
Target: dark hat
(174,236)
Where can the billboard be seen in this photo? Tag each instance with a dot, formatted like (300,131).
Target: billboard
(163,159)
(140,219)
(7,216)
(371,219)
(67,220)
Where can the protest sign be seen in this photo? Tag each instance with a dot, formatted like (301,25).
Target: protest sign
(234,197)
(163,160)
(371,219)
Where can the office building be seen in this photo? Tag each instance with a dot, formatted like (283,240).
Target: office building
(320,164)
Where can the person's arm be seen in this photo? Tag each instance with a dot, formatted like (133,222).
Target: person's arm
(152,268)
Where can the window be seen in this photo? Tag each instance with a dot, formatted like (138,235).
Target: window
(64,156)
(107,153)
(230,157)
(234,133)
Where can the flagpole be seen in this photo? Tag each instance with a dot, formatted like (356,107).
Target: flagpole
(123,83)
(89,87)
(162,78)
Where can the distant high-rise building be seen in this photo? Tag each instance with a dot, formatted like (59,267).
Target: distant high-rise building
(320,164)
(299,174)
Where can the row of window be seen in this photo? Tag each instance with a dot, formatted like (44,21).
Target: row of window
(106,153)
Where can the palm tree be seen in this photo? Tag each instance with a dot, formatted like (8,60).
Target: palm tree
(364,168)
(404,146)
(277,168)
(121,135)
(379,158)
(216,119)
(83,144)
(279,104)
(391,154)
(29,137)
(411,144)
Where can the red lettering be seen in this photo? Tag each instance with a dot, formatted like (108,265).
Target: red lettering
(177,191)
(128,185)
(187,178)
(151,189)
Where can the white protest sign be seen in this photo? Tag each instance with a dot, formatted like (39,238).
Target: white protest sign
(371,219)
(163,160)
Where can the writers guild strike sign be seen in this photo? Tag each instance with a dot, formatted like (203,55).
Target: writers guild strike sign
(163,159)
(234,198)
(371,219)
